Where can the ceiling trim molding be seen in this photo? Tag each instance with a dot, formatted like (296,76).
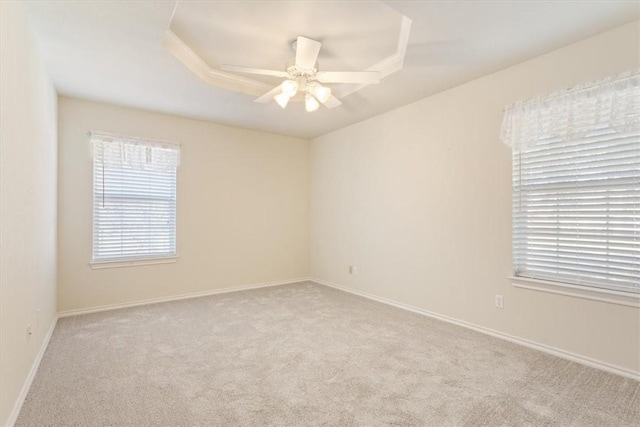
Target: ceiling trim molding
(388,65)
(192,60)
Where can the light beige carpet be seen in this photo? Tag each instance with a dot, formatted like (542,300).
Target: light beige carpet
(306,354)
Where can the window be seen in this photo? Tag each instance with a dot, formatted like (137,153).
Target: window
(576,211)
(134,198)
(576,186)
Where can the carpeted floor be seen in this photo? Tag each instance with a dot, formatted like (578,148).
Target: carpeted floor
(306,354)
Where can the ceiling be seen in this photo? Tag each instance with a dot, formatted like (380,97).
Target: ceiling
(377,41)
(114,51)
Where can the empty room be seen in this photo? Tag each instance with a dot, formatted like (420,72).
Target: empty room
(337,213)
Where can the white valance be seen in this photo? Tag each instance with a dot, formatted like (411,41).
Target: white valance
(612,103)
(137,153)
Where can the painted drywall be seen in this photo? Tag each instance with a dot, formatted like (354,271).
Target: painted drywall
(242,208)
(419,199)
(27,204)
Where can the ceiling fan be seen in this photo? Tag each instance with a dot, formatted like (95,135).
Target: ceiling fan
(302,76)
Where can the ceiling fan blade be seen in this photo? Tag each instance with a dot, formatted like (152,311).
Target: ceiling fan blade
(367,77)
(249,70)
(267,97)
(307,51)
(332,102)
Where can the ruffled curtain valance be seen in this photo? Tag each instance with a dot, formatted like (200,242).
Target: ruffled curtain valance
(119,151)
(612,103)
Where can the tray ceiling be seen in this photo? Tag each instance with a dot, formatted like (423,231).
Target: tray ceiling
(114,51)
(197,36)
(257,34)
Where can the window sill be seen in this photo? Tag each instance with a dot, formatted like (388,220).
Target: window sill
(97,265)
(595,294)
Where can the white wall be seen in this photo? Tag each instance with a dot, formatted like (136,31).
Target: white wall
(27,203)
(242,210)
(420,200)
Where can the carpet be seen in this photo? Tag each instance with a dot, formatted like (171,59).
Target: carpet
(306,354)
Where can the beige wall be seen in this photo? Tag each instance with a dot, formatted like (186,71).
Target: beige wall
(242,212)
(419,199)
(27,203)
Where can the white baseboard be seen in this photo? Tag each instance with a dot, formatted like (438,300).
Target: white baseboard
(96,309)
(13,416)
(514,339)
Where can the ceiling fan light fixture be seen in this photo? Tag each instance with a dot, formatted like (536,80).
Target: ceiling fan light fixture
(301,75)
(310,103)
(322,93)
(289,87)
(282,99)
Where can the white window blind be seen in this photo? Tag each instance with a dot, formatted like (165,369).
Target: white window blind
(576,211)
(576,185)
(134,198)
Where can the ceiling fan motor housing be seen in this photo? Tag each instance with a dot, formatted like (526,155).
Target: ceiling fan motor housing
(296,71)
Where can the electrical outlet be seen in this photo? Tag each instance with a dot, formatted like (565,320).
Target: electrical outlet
(353,270)
(499,299)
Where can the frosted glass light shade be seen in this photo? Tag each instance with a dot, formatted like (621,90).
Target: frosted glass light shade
(310,103)
(290,87)
(322,93)
(282,99)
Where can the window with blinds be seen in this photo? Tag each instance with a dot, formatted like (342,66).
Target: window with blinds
(576,210)
(134,199)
